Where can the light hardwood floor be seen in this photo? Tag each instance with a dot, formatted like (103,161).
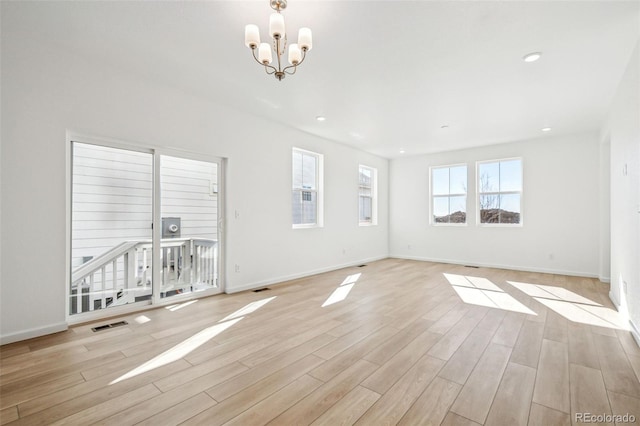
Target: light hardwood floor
(401,348)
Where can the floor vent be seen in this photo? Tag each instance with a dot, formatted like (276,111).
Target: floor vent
(470,266)
(261,289)
(107,326)
(361,266)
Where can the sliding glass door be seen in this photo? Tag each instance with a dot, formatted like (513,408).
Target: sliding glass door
(189,210)
(145,227)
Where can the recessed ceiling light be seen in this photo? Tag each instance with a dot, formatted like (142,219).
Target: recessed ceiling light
(321,118)
(546,129)
(532,57)
(402,151)
(444,126)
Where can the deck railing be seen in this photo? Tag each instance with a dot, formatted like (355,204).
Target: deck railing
(123,274)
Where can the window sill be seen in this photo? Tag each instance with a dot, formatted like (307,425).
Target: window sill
(306,226)
(500,225)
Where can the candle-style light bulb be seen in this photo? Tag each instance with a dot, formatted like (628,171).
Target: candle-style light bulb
(264,53)
(295,56)
(251,36)
(276,25)
(304,39)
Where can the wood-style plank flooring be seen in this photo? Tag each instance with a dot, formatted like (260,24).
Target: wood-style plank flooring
(394,343)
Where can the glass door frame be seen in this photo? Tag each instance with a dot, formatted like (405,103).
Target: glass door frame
(156,300)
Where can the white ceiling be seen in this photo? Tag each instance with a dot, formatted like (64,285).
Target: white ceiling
(386,74)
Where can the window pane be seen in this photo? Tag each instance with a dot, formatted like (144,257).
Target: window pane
(458,209)
(308,171)
(304,205)
(458,180)
(297,169)
(510,208)
(365,176)
(489,209)
(440,180)
(511,175)
(296,203)
(488,177)
(310,208)
(441,209)
(365,209)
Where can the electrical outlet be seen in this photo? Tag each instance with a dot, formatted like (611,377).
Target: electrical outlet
(237,268)
(237,214)
(409,246)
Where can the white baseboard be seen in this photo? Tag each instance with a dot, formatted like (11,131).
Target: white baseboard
(33,332)
(259,284)
(605,279)
(497,266)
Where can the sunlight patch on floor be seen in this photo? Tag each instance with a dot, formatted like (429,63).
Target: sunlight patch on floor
(178,351)
(572,306)
(550,292)
(141,319)
(482,292)
(174,308)
(249,308)
(341,293)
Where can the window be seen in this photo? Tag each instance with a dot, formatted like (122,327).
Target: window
(368,195)
(306,195)
(449,195)
(500,191)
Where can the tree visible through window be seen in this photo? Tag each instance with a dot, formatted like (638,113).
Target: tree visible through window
(449,194)
(305,194)
(500,191)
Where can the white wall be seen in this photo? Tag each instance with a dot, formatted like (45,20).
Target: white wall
(560,212)
(623,131)
(47,91)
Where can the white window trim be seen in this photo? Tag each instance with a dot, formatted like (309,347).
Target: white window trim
(461,194)
(374,197)
(319,190)
(478,194)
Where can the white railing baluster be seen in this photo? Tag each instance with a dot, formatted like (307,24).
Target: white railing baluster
(79,296)
(114,279)
(144,266)
(103,278)
(209,257)
(91,294)
(186,262)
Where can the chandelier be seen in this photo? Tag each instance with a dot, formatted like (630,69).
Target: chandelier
(297,51)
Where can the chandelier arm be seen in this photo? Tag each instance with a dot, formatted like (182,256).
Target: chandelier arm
(295,67)
(253,50)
